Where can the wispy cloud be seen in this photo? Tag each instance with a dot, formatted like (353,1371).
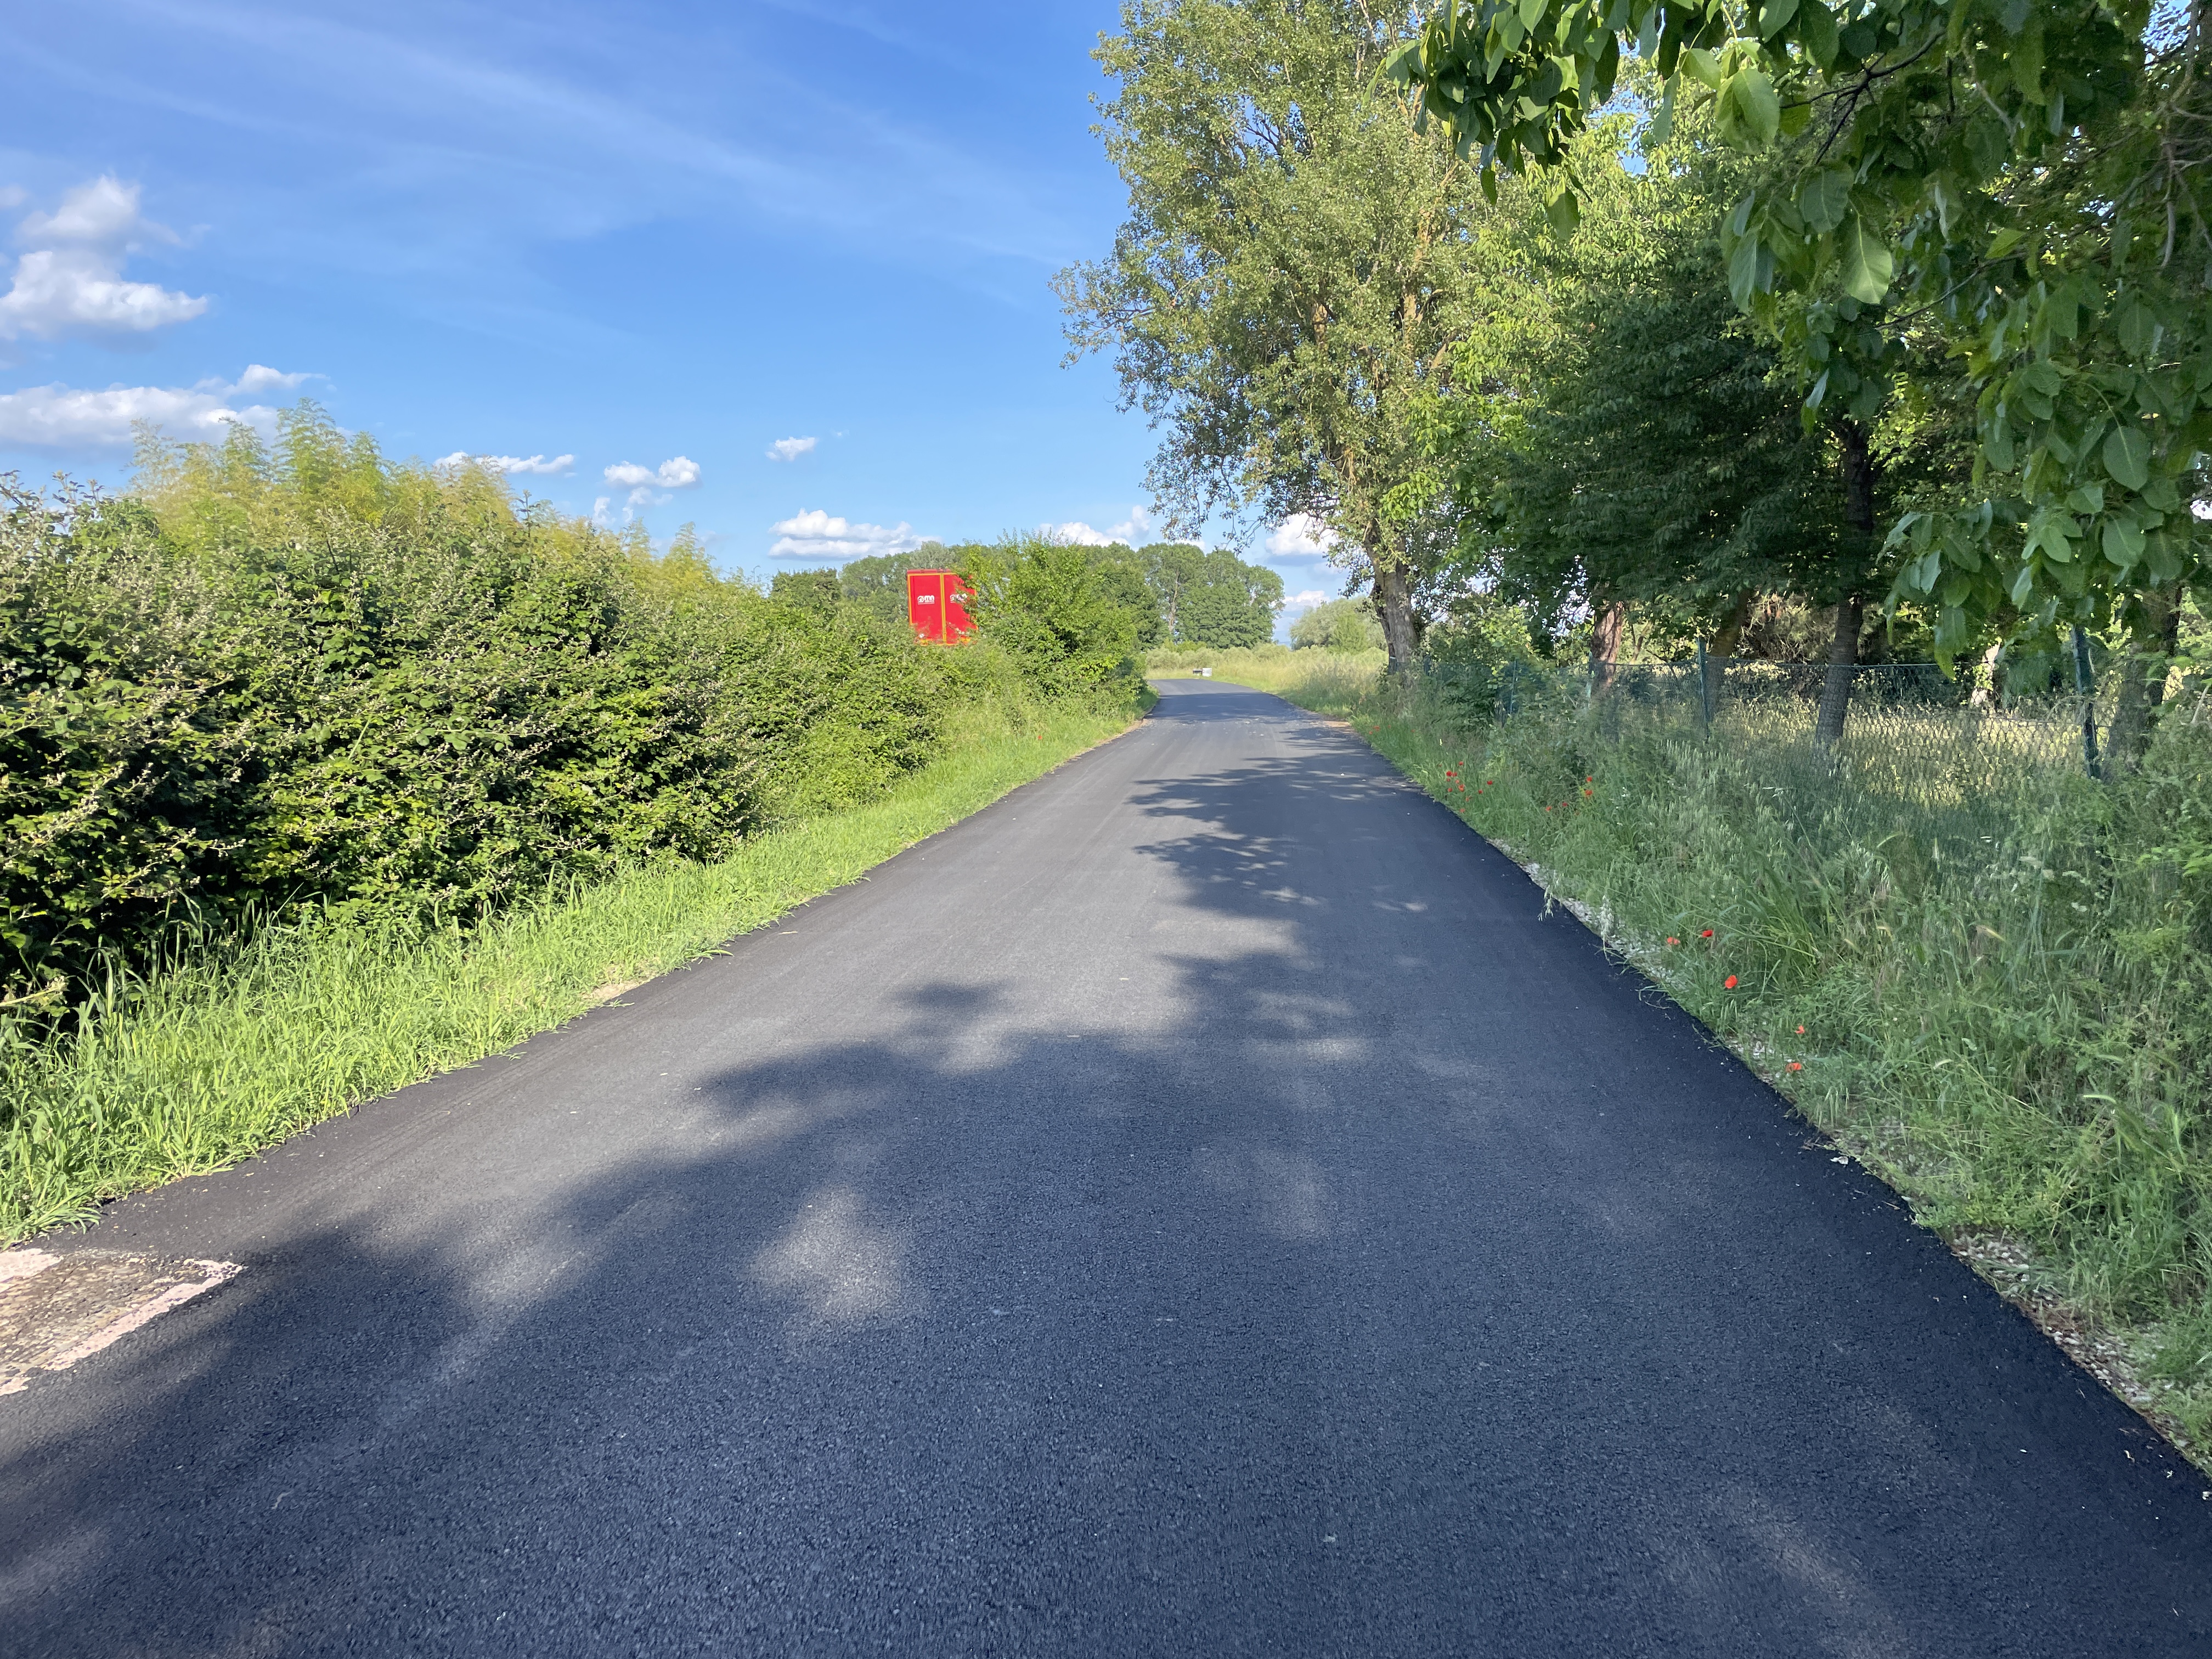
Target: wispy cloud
(1299,603)
(69,419)
(818,535)
(515,465)
(69,280)
(790,449)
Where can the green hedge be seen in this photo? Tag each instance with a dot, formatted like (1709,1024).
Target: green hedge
(266,684)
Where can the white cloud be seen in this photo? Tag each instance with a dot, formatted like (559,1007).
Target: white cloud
(1299,604)
(513,465)
(69,280)
(790,449)
(1131,530)
(681,472)
(1301,535)
(816,535)
(67,418)
(259,377)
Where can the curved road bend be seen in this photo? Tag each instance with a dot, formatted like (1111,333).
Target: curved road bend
(1200,1206)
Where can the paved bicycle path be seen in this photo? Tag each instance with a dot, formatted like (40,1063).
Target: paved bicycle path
(1201,1205)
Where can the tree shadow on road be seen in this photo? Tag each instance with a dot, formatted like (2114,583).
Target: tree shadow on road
(1340,1299)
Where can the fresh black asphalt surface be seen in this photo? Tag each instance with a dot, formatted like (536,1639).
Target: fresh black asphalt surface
(1202,1205)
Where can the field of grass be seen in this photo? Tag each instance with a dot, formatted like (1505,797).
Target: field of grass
(1988,983)
(1299,675)
(194,1068)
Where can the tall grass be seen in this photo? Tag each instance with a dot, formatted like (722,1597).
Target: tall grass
(1996,992)
(1328,676)
(194,1066)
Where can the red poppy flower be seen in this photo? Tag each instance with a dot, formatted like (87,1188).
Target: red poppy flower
(1728,984)
(1708,934)
(1801,1030)
(1797,1064)
(1674,941)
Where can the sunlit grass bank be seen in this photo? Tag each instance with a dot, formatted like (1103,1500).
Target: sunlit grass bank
(1994,989)
(196,1067)
(1306,677)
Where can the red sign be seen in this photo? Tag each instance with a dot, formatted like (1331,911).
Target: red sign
(936,603)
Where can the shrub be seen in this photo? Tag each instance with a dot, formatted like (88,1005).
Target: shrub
(311,680)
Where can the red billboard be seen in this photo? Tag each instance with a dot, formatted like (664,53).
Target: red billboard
(936,603)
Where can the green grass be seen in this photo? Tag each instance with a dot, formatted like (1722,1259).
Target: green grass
(195,1068)
(1302,676)
(1991,987)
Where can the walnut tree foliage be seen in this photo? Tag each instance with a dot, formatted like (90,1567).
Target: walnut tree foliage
(2013,186)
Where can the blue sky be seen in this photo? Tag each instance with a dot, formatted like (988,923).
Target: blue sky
(656,238)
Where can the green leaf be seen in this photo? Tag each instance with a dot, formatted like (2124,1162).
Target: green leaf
(2123,541)
(1530,11)
(1774,17)
(1703,67)
(2023,585)
(2138,330)
(1816,31)
(1662,124)
(1825,198)
(2025,59)
(1565,212)
(1868,263)
(2127,457)
(1761,111)
(1743,271)
(2003,242)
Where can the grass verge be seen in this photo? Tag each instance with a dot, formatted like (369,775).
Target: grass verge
(2006,1013)
(199,1066)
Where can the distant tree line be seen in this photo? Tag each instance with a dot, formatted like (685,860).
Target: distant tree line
(1172,593)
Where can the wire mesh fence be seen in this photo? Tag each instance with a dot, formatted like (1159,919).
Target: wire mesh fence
(1946,755)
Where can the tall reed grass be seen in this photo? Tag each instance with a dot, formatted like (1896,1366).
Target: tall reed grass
(211,1055)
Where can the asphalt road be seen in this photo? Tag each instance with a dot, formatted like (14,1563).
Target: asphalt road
(1201,1205)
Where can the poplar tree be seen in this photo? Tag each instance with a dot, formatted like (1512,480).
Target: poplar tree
(1298,262)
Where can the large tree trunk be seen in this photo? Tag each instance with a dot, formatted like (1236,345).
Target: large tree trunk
(1850,609)
(1394,603)
(1605,645)
(1722,648)
(2140,689)
(1843,668)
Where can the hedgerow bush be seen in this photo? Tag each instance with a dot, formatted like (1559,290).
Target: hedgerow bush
(275,681)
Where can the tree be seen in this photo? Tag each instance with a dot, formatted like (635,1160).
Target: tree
(1047,603)
(1634,448)
(816,591)
(2016,183)
(1213,599)
(1125,576)
(1338,625)
(877,585)
(1297,262)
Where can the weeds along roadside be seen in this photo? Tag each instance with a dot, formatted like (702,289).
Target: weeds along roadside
(196,1067)
(2014,1030)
